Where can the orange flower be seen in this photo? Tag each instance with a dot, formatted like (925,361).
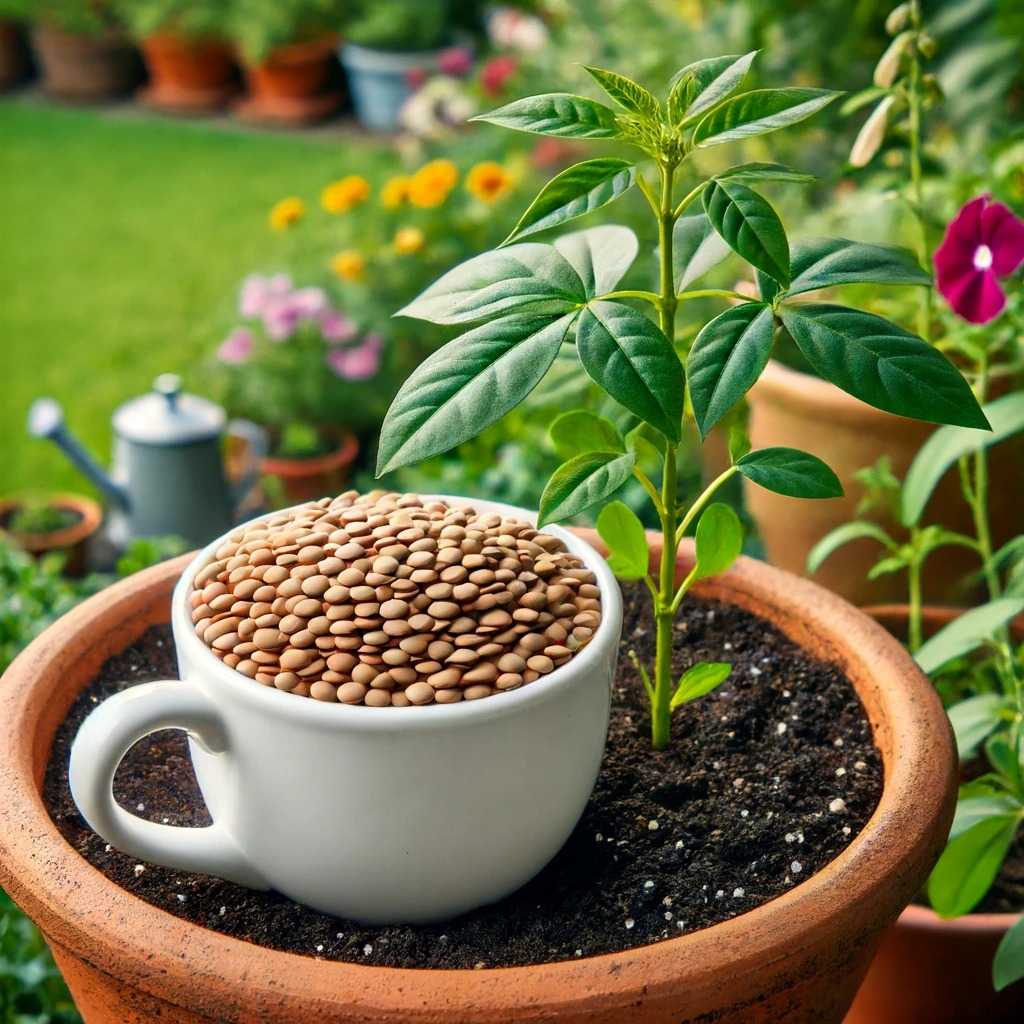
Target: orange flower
(430,185)
(488,181)
(286,213)
(341,196)
(349,265)
(409,241)
(394,193)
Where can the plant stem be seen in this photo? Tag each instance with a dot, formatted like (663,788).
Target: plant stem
(914,630)
(661,710)
(916,129)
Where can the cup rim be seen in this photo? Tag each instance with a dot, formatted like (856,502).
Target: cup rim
(429,716)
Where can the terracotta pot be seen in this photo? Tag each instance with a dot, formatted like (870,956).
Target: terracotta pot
(796,410)
(928,970)
(292,85)
(187,74)
(85,67)
(305,479)
(798,958)
(14,59)
(73,539)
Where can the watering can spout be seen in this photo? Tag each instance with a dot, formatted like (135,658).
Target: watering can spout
(46,420)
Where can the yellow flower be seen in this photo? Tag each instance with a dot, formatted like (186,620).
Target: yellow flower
(488,181)
(286,212)
(430,185)
(349,265)
(394,193)
(409,241)
(341,196)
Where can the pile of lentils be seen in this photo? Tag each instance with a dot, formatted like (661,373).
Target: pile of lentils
(385,599)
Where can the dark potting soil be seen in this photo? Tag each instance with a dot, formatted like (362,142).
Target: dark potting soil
(767,779)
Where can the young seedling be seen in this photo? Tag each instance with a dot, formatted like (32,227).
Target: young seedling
(531,300)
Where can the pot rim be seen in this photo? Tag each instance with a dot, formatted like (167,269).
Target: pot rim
(342,455)
(90,510)
(881,868)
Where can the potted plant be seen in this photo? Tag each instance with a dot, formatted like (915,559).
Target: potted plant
(82,49)
(982,699)
(390,48)
(59,522)
(798,957)
(186,52)
(287,55)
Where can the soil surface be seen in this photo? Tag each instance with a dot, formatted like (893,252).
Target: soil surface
(767,779)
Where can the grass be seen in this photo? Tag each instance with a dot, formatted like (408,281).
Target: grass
(124,240)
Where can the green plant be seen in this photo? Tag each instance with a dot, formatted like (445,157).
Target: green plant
(533,298)
(260,25)
(188,17)
(37,515)
(89,17)
(404,24)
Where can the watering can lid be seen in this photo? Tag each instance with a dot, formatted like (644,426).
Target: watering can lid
(169,416)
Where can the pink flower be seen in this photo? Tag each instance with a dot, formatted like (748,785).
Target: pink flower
(496,72)
(258,291)
(337,328)
(358,363)
(456,61)
(308,303)
(280,319)
(237,346)
(983,243)
(414,78)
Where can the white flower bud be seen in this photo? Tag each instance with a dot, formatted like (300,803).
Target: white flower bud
(870,137)
(897,20)
(888,67)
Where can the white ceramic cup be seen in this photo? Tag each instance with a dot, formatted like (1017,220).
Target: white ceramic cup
(382,815)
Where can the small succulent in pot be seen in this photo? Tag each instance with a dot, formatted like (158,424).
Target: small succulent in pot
(534,302)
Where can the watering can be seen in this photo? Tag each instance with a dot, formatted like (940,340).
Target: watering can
(168,475)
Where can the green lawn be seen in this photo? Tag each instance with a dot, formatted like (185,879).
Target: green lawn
(124,238)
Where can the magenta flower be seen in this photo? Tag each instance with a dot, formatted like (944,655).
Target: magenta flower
(237,346)
(983,243)
(336,328)
(358,363)
(455,61)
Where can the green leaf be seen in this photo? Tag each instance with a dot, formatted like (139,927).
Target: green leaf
(970,810)
(1008,965)
(791,472)
(560,114)
(759,112)
(842,535)
(726,359)
(973,720)
(881,364)
(754,172)
(718,542)
(578,190)
(1003,758)
(749,223)
(623,532)
(634,362)
(950,444)
(600,256)
(704,84)
(969,864)
(967,633)
(697,248)
(582,482)
(526,278)
(466,386)
(699,679)
(580,431)
(887,566)
(630,96)
(830,262)
(739,442)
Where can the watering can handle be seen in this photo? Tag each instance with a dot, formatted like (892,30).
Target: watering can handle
(256,443)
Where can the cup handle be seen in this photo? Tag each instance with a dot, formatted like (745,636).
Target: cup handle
(102,741)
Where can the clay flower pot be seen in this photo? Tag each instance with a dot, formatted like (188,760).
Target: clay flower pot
(798,958)
(306,479)
(929,970)
(292,85)
(797,410)
(188,74)
(73,539)
(85,67)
